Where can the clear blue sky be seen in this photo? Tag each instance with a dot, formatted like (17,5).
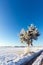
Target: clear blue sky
(18,14)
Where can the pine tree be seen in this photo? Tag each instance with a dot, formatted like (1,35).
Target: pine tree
(28,36)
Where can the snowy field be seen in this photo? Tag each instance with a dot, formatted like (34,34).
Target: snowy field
(38,60)
(10,55)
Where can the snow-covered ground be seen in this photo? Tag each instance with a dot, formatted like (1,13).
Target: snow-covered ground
(38,60)
(10,55)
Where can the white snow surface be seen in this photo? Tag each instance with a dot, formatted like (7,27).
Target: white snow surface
(11,55)
(38,60)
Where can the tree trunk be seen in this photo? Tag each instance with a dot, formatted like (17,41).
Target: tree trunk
(30,42)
